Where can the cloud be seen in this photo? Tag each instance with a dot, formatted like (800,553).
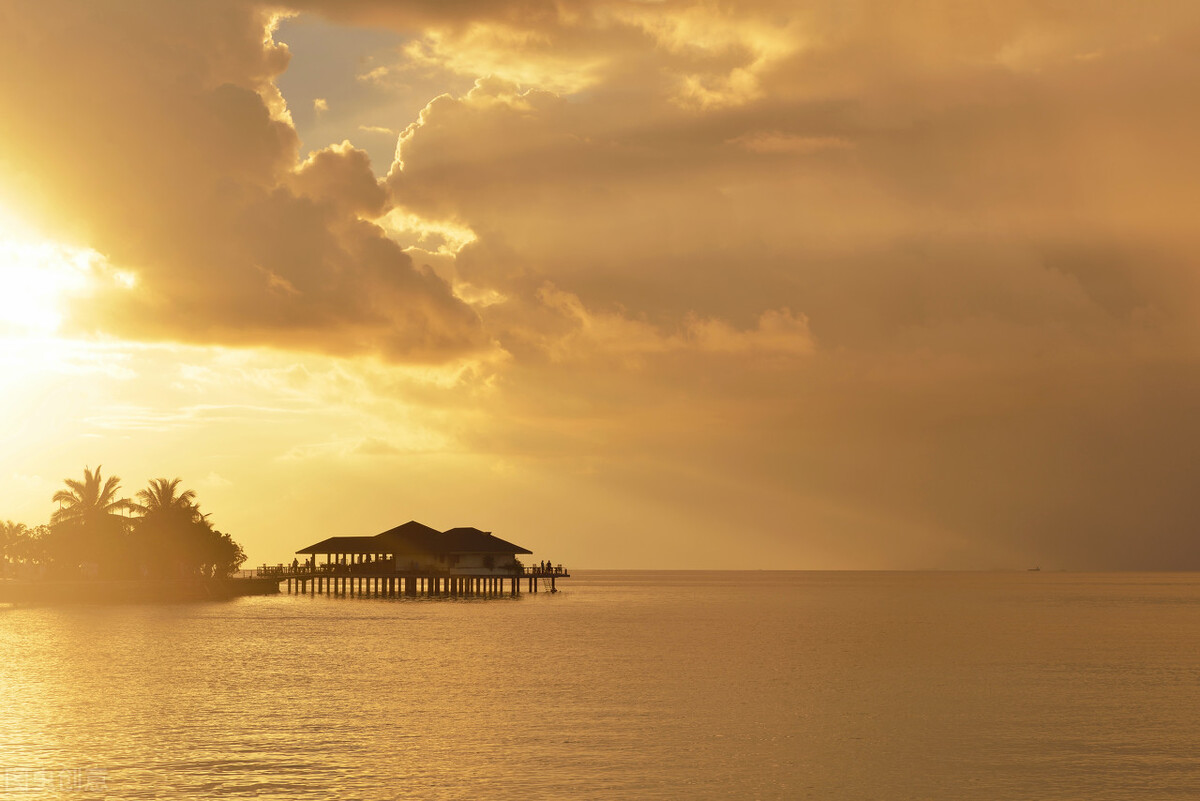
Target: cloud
(341,175)
(589,333)
(189,180)
(215,481)
(769,142)
(976,218)
(514,54)
(376,447)
(377,129)
(414,443)
(908,282)
(144,418)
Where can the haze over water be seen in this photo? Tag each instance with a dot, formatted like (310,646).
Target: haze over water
(624,685)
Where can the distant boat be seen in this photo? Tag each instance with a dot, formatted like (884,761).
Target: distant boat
(1034,569)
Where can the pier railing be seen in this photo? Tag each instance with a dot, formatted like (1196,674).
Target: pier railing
(547,570)
(333,568)
(283,571)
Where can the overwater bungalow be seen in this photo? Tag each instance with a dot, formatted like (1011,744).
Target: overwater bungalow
(414,559)
(416,548)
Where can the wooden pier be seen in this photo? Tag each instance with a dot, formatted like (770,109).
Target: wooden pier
(414,560)
(352,581)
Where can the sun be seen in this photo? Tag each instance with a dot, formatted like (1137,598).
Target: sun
(36,275)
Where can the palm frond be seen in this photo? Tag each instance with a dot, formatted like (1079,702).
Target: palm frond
(110,490)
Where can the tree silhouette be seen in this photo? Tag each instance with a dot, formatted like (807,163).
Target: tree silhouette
(87,526)
(11,541)
(167,528)
(89,534)
(163,498)
(174,538)
(31,547)
(89,502)
(222,555)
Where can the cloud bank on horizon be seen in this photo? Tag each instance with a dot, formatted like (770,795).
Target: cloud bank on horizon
(880,283)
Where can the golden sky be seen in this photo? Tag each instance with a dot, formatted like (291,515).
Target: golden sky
(633,283)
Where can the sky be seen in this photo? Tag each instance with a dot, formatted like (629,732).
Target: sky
(632,283)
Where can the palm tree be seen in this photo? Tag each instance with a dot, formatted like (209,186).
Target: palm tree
(87,525)
(89,502)
(160,498)
(176,539)
(170,528)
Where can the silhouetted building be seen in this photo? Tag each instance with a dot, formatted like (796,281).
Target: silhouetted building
(416,548)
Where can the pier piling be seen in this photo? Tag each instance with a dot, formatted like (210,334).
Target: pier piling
(310,581)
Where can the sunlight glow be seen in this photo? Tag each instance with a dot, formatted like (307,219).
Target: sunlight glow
(36,275)
(733,52)
(491,50)
(33,279)
(434,236)
(37,279)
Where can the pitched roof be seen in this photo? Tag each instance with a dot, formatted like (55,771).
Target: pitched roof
(343,545)
(413,537)
(466,539)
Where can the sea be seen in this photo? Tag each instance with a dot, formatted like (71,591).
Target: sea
(622,685)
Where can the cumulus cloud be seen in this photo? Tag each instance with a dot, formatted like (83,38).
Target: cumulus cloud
(583,333)
(341,175)
(187,177)
(915,277)
(977,214)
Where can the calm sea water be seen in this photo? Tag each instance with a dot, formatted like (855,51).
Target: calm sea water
(627,685)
